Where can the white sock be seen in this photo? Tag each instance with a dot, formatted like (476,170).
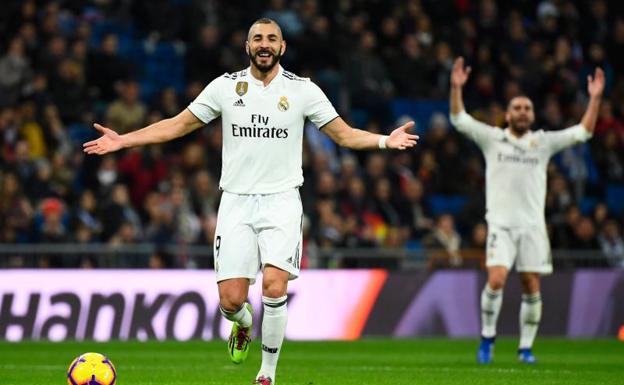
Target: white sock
(530,316)
(491,301)
(242,316)
(273,329)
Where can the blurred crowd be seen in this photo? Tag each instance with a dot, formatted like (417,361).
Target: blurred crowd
(58,76)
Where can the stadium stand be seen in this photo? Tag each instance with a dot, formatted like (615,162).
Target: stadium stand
(67,64)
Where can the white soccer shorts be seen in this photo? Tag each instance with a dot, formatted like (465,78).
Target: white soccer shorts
(527,247)
(258,230)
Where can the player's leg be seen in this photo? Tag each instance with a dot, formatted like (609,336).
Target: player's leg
(279,241)
(530,315)
(234,307)
(491,302)
(274,284)
(534,260)
(232,298)
(492,299)
(500,253)
(236,266)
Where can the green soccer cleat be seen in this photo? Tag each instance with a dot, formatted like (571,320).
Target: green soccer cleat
(239,341)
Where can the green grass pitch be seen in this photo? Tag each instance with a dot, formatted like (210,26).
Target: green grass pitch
(371,361)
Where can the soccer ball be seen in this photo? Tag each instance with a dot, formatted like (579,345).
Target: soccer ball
(91,369)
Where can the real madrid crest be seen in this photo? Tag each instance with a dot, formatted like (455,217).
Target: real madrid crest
(283,105)
(241,88)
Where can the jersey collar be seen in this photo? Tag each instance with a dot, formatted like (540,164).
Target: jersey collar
(511,136)
(259,82)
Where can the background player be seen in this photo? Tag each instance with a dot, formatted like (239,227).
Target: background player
(263,109)
(516,159)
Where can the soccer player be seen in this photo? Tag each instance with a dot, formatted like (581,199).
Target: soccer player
(516,159)
(263,109)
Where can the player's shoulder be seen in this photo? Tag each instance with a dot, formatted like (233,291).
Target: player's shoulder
(294,78)
(300,84)
(539,133)
(238,75)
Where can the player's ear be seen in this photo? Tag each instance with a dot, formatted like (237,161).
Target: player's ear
(247,46)
(283,48)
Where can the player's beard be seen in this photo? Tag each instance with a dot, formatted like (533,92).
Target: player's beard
(265,67)
(519,127)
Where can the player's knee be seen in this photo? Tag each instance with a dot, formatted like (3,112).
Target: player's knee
(231,302)
(273,288)
(496,282)
(530,283)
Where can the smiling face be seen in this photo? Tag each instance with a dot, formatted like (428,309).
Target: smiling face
(520,115)
(265,45)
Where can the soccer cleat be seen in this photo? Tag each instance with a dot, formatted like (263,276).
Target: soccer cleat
(262,380)
(526,356)
(239,341)
(486,350)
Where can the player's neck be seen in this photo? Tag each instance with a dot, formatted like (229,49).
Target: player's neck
(516,133)
(265,77)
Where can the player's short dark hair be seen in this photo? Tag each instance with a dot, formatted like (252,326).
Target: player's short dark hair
(265,20)
(517,96)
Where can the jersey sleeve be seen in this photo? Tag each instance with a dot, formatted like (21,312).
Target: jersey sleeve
(558,140)
(478,131)
(207,106)
(317,107)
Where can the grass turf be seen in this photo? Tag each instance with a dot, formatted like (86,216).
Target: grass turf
(374,361)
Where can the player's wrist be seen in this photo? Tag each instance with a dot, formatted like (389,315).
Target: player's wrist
(382,142)
(124,141)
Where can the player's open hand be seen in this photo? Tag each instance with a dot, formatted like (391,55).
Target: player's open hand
(596,84)
(400,139)
(109,141)
(459,73)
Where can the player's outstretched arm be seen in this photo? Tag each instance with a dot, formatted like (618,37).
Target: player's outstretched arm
(459,77)
(346,136)
(161,131)
(595,88)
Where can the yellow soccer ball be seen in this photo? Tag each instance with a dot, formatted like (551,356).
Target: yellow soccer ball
(91,369)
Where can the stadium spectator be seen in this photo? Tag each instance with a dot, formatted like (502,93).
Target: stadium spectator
(410,69)
(416,215)
(15,72)
(609,159)
(85,217)
(368,81)
(444,242)
(52,228)
(117,212)
(607,121)
(286,17)
(584,235)
(203,61)
(612,243)
(16,212)
(127,112)
(106,68)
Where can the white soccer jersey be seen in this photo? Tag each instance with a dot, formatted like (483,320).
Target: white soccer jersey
(516,168)
(262,128)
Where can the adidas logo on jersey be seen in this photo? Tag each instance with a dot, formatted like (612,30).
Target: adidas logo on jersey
(239,103)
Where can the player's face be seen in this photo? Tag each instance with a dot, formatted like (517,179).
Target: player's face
(265,46)
(520,115)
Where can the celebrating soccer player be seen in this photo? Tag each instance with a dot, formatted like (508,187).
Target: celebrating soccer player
(516,159)
(263,109)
